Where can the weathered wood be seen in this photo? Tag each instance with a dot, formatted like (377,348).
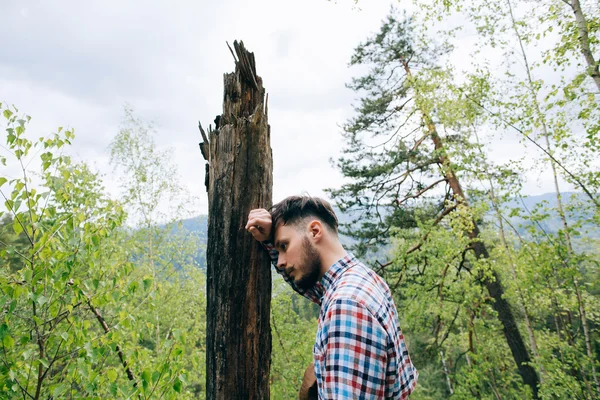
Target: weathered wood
(239,178)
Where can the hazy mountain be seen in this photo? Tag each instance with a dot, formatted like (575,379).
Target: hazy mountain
(576,205)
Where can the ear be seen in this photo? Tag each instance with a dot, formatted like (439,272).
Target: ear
(316,230)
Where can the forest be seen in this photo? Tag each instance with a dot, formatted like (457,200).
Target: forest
(498,291)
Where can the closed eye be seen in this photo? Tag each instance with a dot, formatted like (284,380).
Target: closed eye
(281,245)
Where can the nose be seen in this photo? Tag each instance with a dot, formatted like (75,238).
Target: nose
(281,261)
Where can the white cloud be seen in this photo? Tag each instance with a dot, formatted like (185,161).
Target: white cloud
(76,63)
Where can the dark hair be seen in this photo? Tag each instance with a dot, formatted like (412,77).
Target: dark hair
(294,209)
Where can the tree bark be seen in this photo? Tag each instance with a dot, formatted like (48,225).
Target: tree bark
(584,42)
(239,178)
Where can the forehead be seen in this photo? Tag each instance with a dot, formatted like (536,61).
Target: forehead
(285,232)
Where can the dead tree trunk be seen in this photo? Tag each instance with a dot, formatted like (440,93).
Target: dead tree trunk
(239,177)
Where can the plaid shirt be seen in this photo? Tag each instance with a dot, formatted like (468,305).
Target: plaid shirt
(359,351)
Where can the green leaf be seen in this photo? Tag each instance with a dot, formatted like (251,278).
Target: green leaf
(155,376)
(112,375)
(133,287)
(146,377)
(27,353)
(8,342)
(147,283)
(42,300)
(177,385)
(2,180)
(28,275)
(17,227)
(60,389)
(7,113)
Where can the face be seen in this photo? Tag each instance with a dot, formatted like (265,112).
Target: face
(297,256)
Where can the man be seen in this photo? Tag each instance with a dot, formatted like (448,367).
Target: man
(359,351)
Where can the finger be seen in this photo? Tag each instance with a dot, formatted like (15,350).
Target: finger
(257,211)
(261,222)
(265,217)
(251,222)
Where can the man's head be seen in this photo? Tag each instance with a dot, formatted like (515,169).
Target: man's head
(303,228)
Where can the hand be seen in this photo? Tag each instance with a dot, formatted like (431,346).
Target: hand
(308,390)
(259,224)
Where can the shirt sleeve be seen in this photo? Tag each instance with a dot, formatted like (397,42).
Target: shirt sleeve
(310,294)
(351,357)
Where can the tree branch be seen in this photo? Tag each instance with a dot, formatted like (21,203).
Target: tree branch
(118,348)
(437,221)
(16,217)
(583,187)
(420,192)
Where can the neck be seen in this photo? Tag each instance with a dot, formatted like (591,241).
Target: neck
(331,253)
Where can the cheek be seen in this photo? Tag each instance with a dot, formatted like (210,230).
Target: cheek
(294,256)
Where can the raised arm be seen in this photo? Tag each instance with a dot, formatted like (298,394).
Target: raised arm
(260,226)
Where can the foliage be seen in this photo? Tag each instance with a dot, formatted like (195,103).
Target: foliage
(398,189)
(79,305)
(294,330)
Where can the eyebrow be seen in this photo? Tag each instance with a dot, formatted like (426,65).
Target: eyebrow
(278,243)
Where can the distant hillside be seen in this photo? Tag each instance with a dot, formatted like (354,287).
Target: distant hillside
(197,226)
(576,207)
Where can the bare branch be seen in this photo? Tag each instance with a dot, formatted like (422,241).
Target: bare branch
(18,253)
(420,192)
(508,123)
(382,266)
(203,145)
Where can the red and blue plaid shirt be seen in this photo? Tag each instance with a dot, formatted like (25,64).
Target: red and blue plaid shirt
(359,351)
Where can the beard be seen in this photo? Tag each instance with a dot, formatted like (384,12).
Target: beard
(311,266)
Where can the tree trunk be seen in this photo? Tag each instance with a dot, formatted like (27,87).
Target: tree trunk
(446,373)
(584,42)
(239,178)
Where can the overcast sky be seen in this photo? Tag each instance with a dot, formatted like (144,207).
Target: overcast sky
(76,63)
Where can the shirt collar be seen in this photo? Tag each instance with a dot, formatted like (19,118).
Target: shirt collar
(335,271)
